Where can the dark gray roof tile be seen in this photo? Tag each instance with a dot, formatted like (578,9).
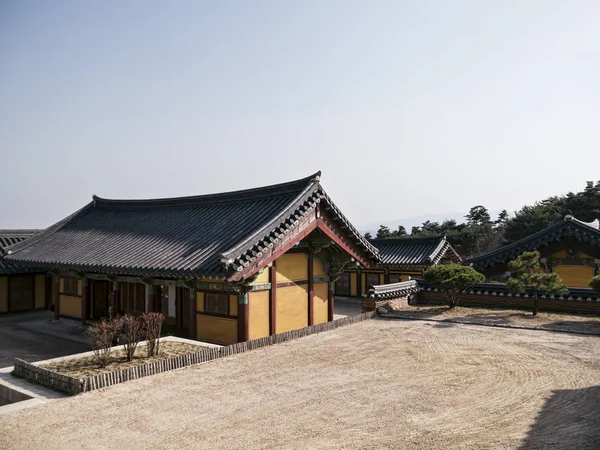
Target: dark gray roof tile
(414,251)
(202,236)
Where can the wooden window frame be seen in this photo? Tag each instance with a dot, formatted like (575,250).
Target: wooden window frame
(395,275)
(344,274)
(372,274)
(70,293)
(217,314)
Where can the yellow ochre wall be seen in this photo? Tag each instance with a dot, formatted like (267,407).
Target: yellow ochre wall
(199,301)
(318,270)
(353,286)
(262,277)
(3,294)
(70,305)
(233,305)
(575,275)
(258,314)
(40,291)
(292,267)
(219,330)
(292,308)
(320,303)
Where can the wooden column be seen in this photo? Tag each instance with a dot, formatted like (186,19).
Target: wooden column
(243,334)
(116,303)
(49,282)
(273,298)
(330,297)
(57,298)
(85,301)
(311,289)
(193,313)
(359,283)
(386,277)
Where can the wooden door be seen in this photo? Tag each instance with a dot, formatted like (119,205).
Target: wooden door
(100,299)
(183,308)
(20,292)
(342,285)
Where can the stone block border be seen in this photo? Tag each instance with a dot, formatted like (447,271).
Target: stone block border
(71,385)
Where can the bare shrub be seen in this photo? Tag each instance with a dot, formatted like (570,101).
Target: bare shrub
(101,337)
(133,330)
(152,327)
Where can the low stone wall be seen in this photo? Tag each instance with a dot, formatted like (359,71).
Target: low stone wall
(515,302)
(47,378)
(71,385)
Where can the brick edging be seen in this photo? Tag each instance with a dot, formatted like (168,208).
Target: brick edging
(71,385)
(493,325)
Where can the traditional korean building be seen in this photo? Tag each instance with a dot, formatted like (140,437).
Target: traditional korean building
(225,267)
(401,259)
(570,248)
(21,288)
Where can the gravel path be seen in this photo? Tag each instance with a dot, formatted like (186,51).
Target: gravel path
(377,384)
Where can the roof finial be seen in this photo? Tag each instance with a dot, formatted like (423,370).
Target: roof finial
(569,216)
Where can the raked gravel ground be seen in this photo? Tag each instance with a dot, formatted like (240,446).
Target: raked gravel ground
(378,384)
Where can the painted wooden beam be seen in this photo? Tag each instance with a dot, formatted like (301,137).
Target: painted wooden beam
(85,301)
(57,297)
(193,310)
(273,298)
(311,289)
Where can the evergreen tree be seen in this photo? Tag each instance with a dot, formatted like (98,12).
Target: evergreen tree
(383,232)
(527,275)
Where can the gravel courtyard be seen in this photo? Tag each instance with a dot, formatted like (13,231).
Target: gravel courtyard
(377,384)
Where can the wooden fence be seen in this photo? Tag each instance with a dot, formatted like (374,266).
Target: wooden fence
(71,385)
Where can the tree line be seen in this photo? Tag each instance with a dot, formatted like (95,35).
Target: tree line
(480,234)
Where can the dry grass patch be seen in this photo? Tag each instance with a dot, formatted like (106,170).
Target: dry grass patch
(88,365)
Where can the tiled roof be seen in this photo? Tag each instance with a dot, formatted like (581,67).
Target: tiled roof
(569,227)
(393,290)
(408,251)
(501,290)
(8,238)
(204,236)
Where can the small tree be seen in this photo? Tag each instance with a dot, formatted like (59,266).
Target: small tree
(133,329)
(595,283)
(452,279)
(527,275)
(152,327)
(101,337)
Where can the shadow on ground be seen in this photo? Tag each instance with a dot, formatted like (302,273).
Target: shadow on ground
(568,420)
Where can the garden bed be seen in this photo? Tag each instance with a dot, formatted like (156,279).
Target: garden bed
(85,366)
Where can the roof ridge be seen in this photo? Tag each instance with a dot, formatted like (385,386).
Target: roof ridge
(19,231)
(217,197)
(408,238)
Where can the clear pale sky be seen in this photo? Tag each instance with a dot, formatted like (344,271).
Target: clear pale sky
(409,108)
